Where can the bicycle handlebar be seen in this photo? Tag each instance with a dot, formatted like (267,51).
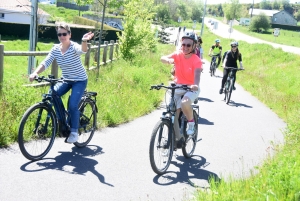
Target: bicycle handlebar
(173,86)
(50,79)
(233,68)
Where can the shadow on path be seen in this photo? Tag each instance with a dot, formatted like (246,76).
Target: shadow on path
(77,159)
(234,104)
(189,168)
(205,100)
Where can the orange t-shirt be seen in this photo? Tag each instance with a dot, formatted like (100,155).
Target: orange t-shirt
(185,68)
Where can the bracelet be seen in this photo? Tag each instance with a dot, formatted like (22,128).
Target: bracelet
(84,40)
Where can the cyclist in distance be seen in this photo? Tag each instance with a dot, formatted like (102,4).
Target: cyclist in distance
(230,60)
(216,50)
(67,54)
(188,68)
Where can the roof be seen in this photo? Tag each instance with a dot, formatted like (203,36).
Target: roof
(269,13)
(18,6)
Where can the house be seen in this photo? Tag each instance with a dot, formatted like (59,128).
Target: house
(284,17)
(268,13)
(19,12)
(276,16)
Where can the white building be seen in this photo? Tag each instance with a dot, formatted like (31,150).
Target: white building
(19,12)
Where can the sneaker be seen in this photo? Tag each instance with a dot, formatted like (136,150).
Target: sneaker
(73,137)
(221,91)
(233,88)
(190,129)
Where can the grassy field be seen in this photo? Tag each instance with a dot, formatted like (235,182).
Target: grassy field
(273,77)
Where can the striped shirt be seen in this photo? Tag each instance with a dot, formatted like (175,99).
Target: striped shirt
(69,62)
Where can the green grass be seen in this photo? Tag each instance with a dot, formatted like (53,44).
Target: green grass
(119,86)
(273,77)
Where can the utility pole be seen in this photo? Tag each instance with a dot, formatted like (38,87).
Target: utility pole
(32,34)
(202,27)
(252,8)
(100,39)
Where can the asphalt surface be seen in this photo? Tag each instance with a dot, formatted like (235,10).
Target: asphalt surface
(115,166)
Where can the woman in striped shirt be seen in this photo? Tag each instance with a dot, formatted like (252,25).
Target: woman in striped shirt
(67,54)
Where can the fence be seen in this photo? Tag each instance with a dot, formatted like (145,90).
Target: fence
(112,46)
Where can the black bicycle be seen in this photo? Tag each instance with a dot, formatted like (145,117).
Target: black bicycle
(213,65)
(229,83)
(44,120)
(162,142)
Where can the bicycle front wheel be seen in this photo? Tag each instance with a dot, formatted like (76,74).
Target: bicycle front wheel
(87,122)
(189,146)
(214,69)
(211,68)
(161,147)
(37,131)
(229,91)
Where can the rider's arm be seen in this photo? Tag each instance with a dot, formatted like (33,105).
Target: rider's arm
(167,59)
(197,76)
(37,71)
(241,63)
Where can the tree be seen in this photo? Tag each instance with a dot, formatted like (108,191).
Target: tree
(287,6)
(196,14)
(232,10)
(265,4)
(259,22)
(162,13)
(138,35)
(275,5)
(82,3)
(297,16)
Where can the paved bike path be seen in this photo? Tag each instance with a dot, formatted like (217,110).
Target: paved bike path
(115,166)
(222,31)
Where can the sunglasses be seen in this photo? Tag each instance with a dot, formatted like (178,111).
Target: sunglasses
(187,45)
(62,34)
(233,46)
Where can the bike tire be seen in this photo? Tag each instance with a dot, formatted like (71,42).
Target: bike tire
(87,122)
(189,146)
(226,90)
(211,69)
(215,68)
(37,131)
(229,91)
(160,154)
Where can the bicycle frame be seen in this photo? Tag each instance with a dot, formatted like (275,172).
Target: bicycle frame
(170,115)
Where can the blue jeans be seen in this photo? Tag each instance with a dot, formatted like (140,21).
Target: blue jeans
(78,88)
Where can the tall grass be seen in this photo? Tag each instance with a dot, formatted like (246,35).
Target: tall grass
(273,77)
(123,88)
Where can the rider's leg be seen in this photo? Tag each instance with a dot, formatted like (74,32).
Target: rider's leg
(219,60)
(225,75)
(76,94)
(186,103)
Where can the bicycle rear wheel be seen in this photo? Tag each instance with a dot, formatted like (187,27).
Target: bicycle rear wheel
(229,91)
(161,147)
(37,131)
(190,143)
(87,122)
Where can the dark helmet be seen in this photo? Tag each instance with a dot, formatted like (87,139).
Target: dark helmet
(190,35)
(234,43)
